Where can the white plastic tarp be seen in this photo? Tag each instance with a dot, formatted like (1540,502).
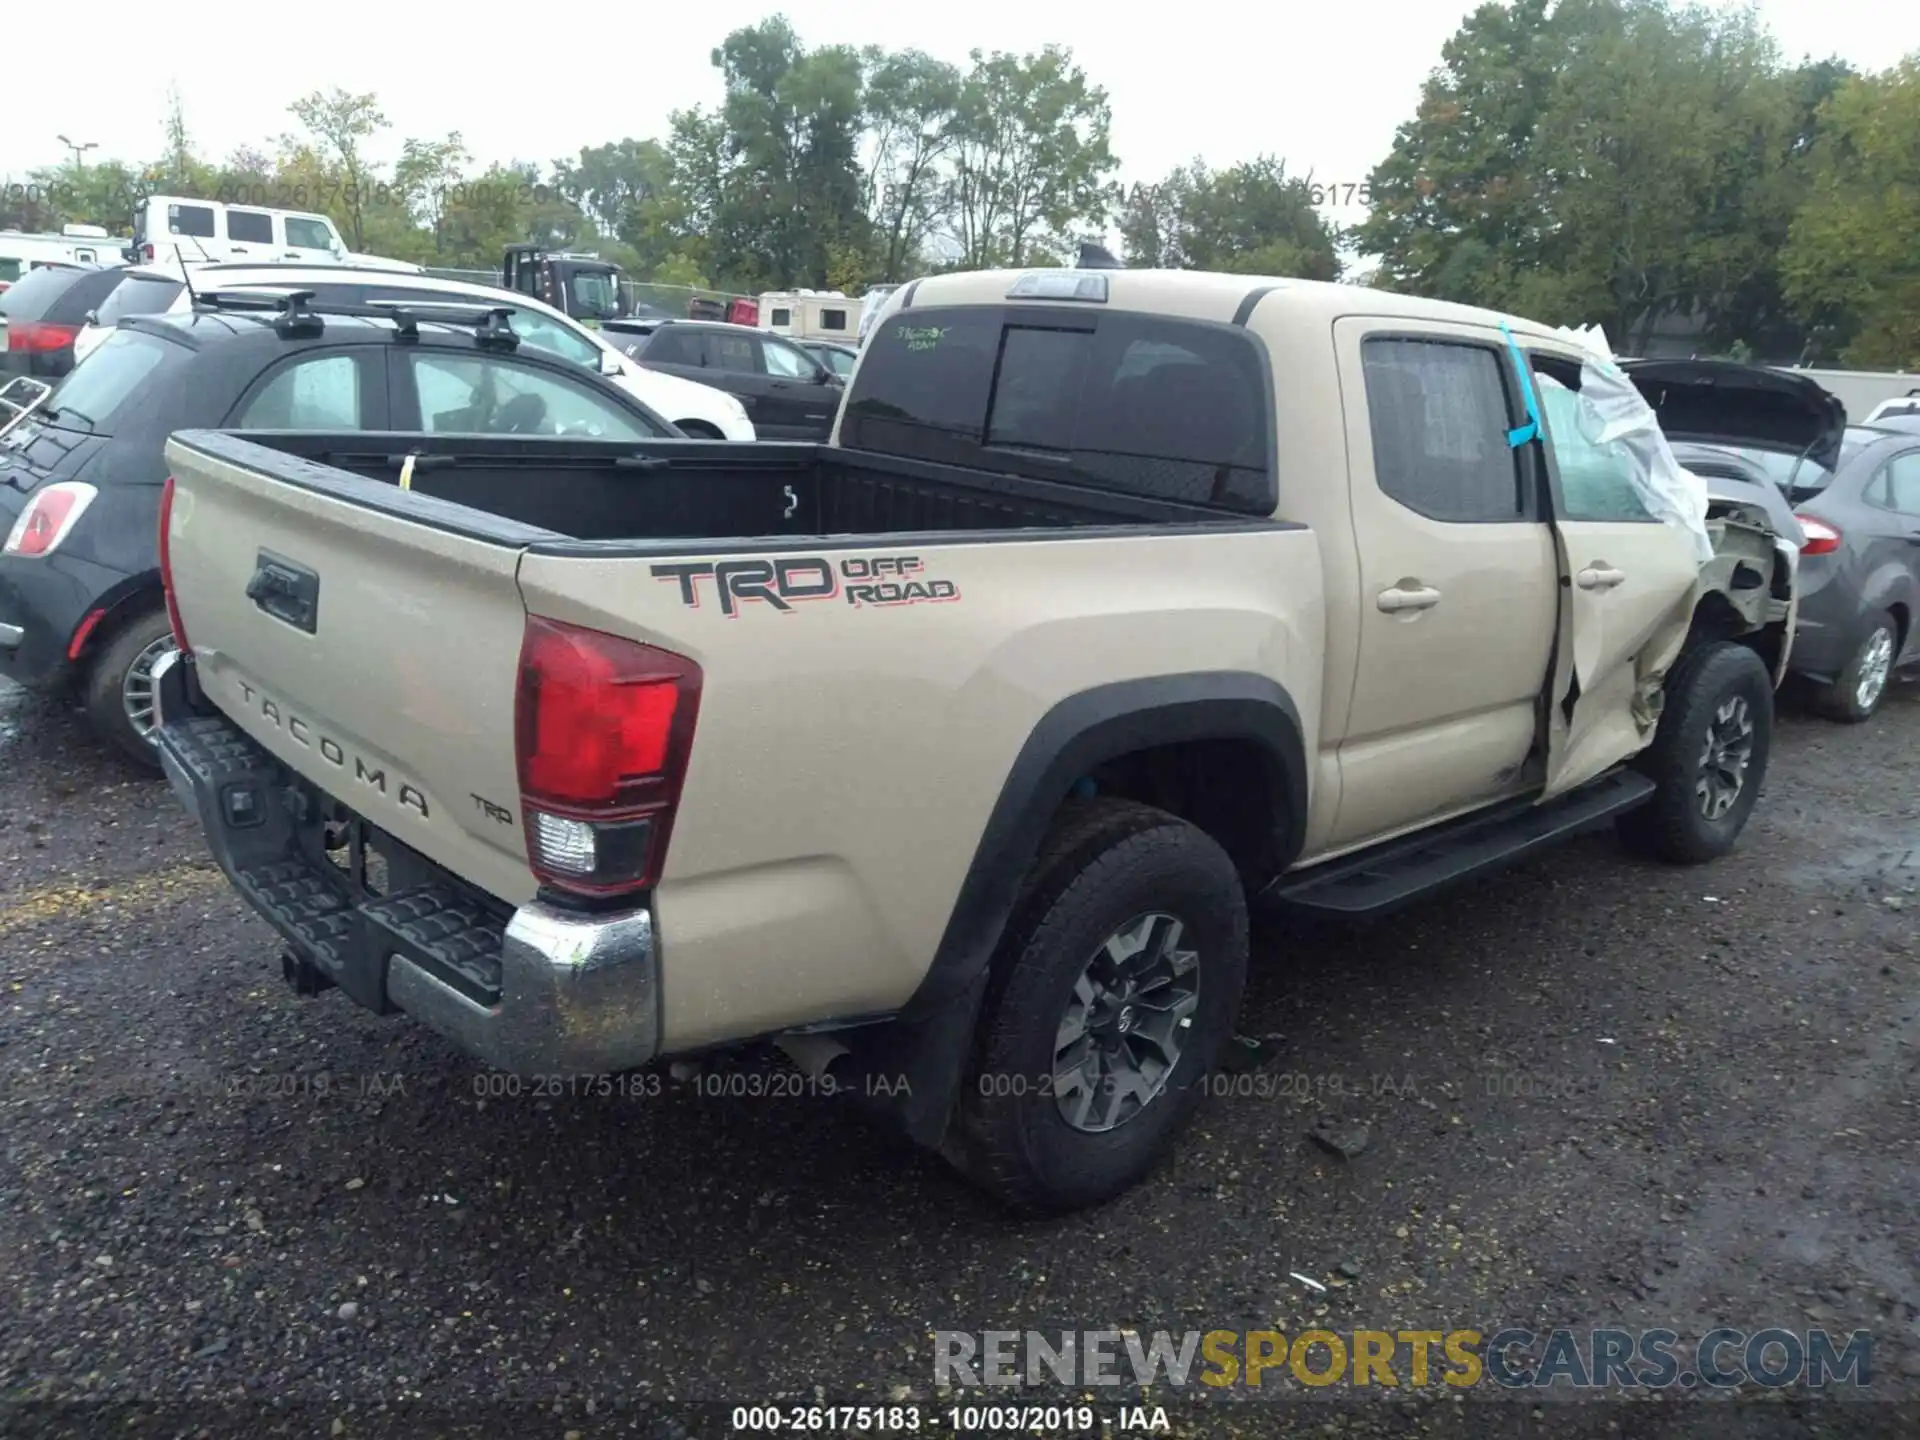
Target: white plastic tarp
(1610,411)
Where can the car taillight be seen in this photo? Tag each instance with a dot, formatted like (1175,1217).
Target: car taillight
(49,518)
(1822,538)
(166,567)
(603,728)
(37,337)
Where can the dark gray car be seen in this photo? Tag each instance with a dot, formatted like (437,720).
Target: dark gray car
(1855,489)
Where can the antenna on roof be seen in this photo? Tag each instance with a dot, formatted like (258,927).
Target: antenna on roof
(1096,257)
(185,278)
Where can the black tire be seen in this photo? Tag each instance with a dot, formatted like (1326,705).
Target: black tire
(698,430)
(1841,700)
(1107,863)
(1675,825)
(104,687)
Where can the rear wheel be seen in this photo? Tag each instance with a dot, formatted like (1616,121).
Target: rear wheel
(119,691)
(1112,995)
(698,430)
(1857,690)
(1708,757)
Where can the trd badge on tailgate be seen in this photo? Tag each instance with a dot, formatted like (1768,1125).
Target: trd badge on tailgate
(859,581)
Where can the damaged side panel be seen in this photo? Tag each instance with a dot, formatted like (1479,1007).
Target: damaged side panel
(1645,564)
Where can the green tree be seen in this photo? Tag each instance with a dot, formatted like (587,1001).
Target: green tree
(1031,159)
(343,124)
(774,174)
(1852,247)
(912,105)
(1455,208)
(426,179)
(1608,160)
(1249,219)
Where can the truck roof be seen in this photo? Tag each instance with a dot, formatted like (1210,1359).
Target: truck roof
(1210,295)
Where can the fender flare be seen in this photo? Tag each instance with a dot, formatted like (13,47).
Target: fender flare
(1077,735)
(924,1049)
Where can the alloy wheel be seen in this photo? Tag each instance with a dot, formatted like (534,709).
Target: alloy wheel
(1126,1023)
(1724,759)
(136,687)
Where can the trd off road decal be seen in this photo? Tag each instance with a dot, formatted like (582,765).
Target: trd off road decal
(858,581)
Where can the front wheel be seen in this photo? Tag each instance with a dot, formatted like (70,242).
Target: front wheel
(119,690)
(1112,996)
(1708,758)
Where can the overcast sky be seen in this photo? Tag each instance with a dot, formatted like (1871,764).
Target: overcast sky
(1222,79)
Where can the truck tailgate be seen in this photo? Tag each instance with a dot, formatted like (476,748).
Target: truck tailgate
(322,628)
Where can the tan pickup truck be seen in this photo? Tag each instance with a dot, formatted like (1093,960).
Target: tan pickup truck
(1158,595)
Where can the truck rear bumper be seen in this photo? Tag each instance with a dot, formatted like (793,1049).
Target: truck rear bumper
(537,991)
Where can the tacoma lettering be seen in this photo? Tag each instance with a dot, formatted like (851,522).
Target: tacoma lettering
(301,732)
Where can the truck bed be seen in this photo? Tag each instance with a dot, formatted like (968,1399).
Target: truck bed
(604,491)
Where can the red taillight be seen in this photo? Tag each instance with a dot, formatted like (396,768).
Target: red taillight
(602,731)
(39,338)
(1822,538)
(166,567)
(49,518)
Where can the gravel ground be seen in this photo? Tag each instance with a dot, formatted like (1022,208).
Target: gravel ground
(1587,1092)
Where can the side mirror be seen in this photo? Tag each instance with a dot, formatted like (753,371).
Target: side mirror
(823,376)
(92,317)
(610,364)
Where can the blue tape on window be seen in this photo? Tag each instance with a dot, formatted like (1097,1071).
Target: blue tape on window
(1518,437)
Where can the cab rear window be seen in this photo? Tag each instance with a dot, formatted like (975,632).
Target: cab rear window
(1137,404)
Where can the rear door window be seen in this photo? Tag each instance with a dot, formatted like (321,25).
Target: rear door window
(1437,410)
(1142,405)
(195,220)
(737,353)
(254,227)
(1903,483)
(312,392)
(667,347)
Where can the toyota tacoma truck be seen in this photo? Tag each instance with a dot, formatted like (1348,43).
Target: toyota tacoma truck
(950,755)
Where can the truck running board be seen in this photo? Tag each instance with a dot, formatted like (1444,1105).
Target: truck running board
(1387,876)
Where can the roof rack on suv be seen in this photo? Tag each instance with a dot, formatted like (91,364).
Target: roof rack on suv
(297,316)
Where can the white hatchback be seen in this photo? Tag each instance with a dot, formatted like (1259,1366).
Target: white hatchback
(699,410)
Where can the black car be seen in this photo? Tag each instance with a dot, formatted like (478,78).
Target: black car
(81,478)
(835,356)
(789,395)
(44,312)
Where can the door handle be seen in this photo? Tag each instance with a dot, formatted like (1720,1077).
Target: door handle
(1601,576)
(1408,597)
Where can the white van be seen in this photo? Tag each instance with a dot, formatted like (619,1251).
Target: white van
(74,245)
(208,230)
